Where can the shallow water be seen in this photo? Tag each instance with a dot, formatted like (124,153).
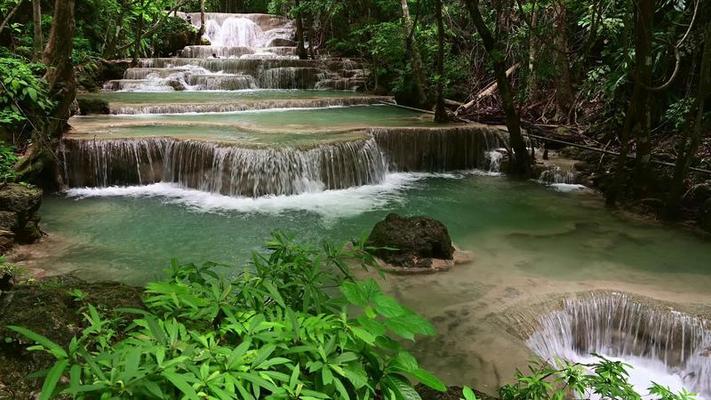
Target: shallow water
(529,242)
(307,124)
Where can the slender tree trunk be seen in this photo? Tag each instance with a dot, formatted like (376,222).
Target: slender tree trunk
(38,40)
(643,56)
(521,162)
(301,47)
(440,112)
(691,145)
(637,118)
(533,55)
(139,39)
(41,165)
(415,58)
(564,89)
(202,19)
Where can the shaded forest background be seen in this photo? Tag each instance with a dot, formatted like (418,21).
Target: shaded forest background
(628,77)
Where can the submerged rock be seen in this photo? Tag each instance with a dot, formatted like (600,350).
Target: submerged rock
(19,221)
(412,242)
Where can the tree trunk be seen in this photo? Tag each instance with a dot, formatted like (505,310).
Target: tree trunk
(415,58)
(139,39)
(690,147)
(637,117)
(301,47)
(41,165)
(202,19)
(38,40)
(440,111)
(521,165)
(643,58)
(564,89)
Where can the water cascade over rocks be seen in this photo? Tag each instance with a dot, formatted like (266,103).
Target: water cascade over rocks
(664,345)
(246,51)
(239,171)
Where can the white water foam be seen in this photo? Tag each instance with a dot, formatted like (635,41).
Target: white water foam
(330,204)
(567,187)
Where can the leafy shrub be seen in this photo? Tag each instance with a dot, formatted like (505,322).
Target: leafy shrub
(278,332)
(8,159)
(22,93)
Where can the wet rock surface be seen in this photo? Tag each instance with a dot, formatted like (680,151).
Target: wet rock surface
(19,221)
(411,242)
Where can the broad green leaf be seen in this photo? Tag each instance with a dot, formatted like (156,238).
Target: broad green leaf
(179,382)
(50,382)
(56,350)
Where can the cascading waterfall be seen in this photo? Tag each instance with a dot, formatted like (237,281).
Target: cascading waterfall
(438,149)
(246,51)
(620,326)
(238,171)
(219,168)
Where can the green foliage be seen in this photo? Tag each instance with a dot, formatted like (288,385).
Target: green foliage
(9,271)
(605,379)
(278,332)
(8,160)
(22,93)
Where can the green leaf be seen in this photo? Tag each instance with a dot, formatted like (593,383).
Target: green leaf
(363,335)
(428,379)
(50,382)
(468,393)
(387,306)
(56,350)
(179,382)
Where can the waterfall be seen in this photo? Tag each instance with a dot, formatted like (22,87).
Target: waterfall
(234,170)
(556,174)
(621,326)
(219,168)
(290,77)
(437,149)
(259,46)
(214,50)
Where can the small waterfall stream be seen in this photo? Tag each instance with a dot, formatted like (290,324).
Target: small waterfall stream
(665,345)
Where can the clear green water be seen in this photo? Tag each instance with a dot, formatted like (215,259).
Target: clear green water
(214,96)
(528,243)
(566,236)
(288,126)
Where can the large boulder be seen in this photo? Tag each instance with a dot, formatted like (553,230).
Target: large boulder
(411,242)
(19,221)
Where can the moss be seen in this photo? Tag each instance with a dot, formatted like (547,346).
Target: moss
(49,308)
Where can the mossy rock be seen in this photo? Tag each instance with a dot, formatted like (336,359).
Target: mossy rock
(411,242)
(47,307)
(93,106)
